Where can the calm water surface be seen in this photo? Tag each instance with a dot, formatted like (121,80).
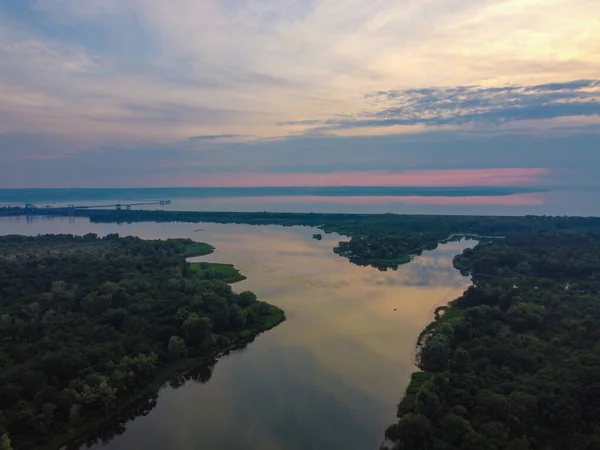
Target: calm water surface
(402,200)
(329,377)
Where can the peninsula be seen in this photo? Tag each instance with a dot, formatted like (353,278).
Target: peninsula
(89,324)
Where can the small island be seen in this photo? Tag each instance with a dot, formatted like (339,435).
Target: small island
(88,325)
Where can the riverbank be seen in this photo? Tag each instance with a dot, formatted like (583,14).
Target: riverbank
(383,241)
(92,325)
(81,434)
(330,361)
(204,270)
(503,362)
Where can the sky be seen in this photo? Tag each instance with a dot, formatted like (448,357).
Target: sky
(137,93)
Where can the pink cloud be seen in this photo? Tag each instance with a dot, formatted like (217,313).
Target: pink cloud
(449,177)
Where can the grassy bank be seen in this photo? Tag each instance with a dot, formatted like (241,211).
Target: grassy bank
(226,273)
(197,249)
(222,272)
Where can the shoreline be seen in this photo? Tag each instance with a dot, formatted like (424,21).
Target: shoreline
(79,435)
(177,368)
(182,367)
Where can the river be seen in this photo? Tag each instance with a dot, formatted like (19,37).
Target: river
(329,377)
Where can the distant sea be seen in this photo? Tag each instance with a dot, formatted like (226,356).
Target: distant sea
(505,200)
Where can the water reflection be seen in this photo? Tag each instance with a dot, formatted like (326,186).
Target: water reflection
(200,375)
(118,425)
(328,377)
(113,428)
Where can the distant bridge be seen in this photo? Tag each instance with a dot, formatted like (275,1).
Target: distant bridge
(117,206)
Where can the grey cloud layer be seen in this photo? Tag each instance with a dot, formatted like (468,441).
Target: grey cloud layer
(470,104)
(573,157)
(214,137)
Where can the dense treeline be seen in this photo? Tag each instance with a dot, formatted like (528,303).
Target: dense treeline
(87,323)
(379,240)
(514,363)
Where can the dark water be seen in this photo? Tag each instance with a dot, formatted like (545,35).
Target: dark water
(407,200)
(329,377)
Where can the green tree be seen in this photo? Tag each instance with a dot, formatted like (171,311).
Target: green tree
(246,298)
(75,414)
(461,359)
(519,444)
(238,316)
(197,330)
(456,429)
(435,353)
(414,430)
(107,395)
(176,347)
(523,267)
(5,442)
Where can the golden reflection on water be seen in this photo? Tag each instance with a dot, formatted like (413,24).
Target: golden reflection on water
(328,377)
(358,324)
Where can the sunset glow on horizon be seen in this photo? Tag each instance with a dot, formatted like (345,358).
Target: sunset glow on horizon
(504,200)
(409,178)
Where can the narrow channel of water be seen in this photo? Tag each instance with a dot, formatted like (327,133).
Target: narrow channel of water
(329,377)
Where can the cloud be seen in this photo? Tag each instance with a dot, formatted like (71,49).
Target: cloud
(572,85)
(444,178)
(300,122)
(462,105)
(214,137)
(70,65)
(110,91)
(571,156)
(165,113)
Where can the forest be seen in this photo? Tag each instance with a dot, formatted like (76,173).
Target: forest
(514,363)
(88,323)
(385,241)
